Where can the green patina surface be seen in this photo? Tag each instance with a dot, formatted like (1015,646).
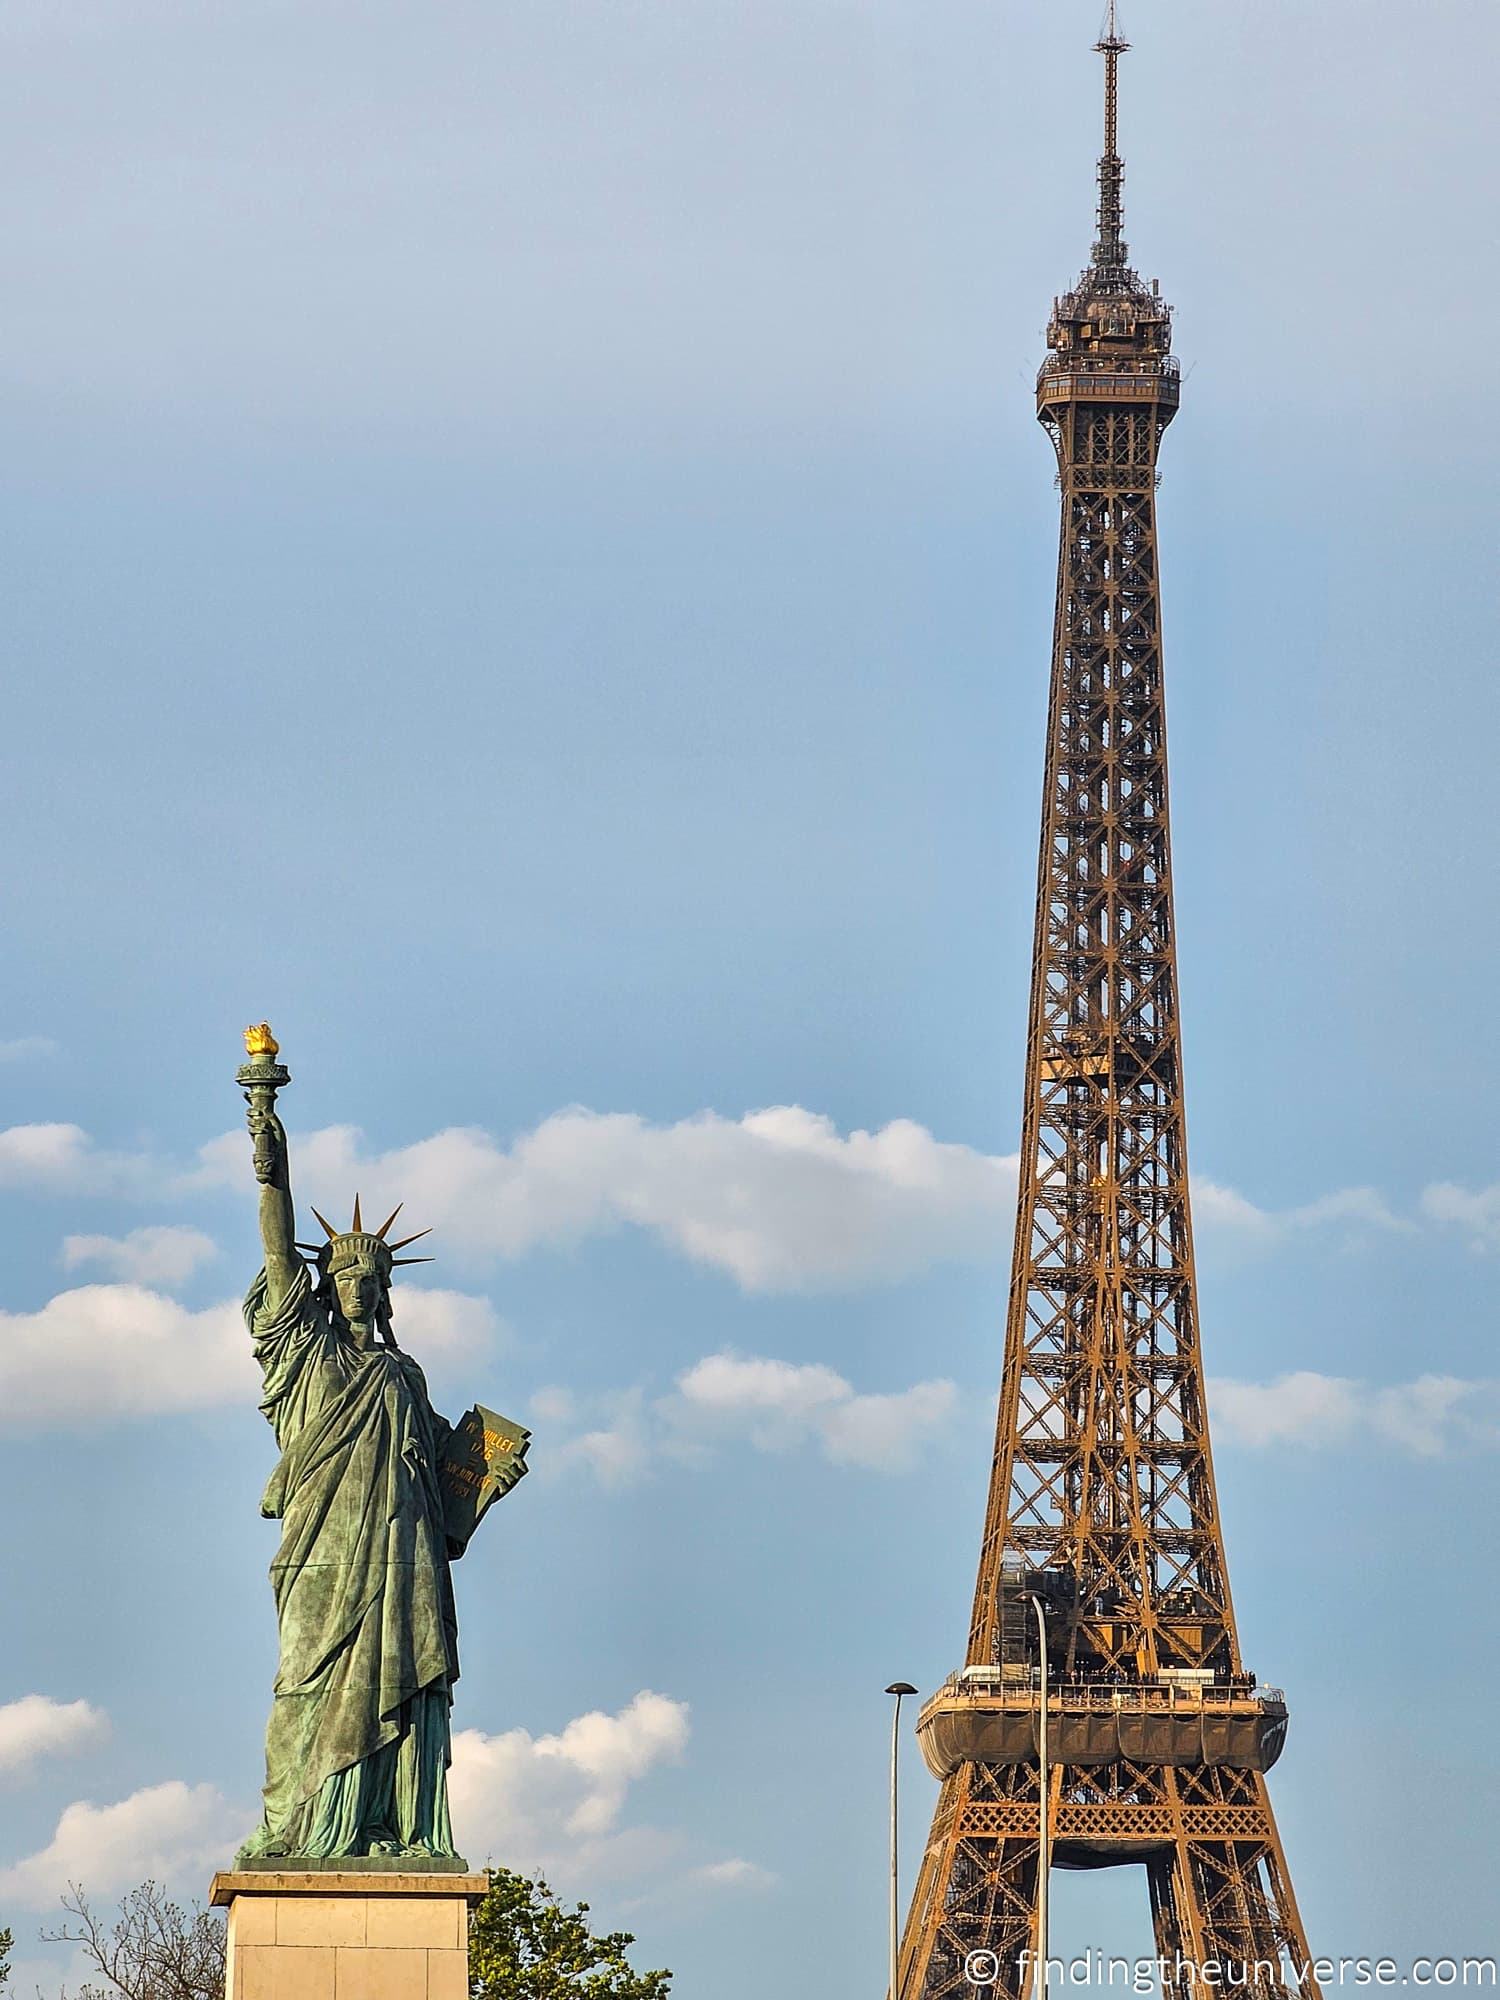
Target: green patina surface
(377,1495)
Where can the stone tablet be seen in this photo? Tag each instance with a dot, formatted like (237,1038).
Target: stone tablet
(484,1457)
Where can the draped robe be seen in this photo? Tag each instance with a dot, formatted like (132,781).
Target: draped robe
(358,1743)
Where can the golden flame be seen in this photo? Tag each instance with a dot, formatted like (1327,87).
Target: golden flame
(260,1041)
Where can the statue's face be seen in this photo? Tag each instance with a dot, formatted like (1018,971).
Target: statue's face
(358,1289)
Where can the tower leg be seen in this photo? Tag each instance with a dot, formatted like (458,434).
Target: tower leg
(976,1890)
(1226,1905)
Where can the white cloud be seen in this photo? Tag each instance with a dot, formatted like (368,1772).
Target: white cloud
(886,1432)
(1476,1210)
(27,1048)
(106,1351)
(554,1802)
(618,1450)
(1217,1207)
(163,1831)
(554,1405)
(733,1874)
(63,1159)
(1438,1413)
(444,1327)
(163,1254)
(774,1403)
(103,1352)
(777,1404)
(678,1888)
(1361,1207)
(779,1199)
(36,1726)
(771,1405)
(1223,1208)
(1428,1417)
(1296,1409)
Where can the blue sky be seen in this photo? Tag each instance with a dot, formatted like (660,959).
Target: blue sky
(529,562)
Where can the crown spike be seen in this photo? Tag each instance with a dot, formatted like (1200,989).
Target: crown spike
(412,1260)
(380,1232)
(328,1229)
(356,1226)
(411,1239)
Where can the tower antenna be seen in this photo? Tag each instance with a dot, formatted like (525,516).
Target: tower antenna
(1110,247)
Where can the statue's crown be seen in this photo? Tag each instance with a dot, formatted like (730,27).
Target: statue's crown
(356,1245)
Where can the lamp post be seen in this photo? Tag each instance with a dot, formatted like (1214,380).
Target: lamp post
(898,1689)
(1044,1847)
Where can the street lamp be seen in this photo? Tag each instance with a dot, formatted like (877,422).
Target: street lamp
(898,1689)
(1044,1846)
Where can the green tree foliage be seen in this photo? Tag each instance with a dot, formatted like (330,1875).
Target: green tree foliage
(523,1945)
(6,1941)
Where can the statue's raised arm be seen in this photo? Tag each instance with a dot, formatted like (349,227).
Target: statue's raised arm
(260,1077)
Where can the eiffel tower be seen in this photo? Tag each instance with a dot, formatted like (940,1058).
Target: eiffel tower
(1102,1531)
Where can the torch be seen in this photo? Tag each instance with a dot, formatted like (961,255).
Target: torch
(260,1076)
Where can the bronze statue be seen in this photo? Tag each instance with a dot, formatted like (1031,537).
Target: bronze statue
(377,1495)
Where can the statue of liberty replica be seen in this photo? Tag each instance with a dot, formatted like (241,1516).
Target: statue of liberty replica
(377,1496)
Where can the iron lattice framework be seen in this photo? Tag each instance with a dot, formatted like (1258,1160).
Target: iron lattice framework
(1102,1499)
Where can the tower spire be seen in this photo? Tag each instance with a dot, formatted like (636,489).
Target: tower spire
(1109,247)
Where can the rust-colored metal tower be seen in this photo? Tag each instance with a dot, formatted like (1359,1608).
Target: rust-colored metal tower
(1102,1502)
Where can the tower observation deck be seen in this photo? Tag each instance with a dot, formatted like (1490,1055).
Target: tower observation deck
(1102,1504)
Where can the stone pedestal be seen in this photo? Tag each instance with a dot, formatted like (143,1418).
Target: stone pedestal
(321,1935)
